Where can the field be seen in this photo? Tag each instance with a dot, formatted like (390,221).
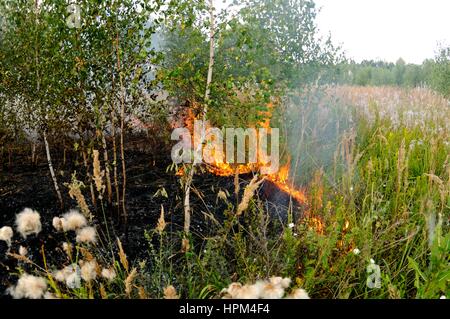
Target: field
(374,223)
(206,149)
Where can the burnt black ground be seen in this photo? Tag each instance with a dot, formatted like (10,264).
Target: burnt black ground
(24,185)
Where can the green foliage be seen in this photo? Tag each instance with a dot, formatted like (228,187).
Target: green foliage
(254,61)
(68,78)
(441,72)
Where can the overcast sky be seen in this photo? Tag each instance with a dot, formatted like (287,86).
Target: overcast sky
(386,29)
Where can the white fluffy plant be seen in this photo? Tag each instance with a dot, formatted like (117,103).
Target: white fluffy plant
(6,234)
(87,235)
(29,286)
(72,278)
(274,288)
(28,222)
(73,220)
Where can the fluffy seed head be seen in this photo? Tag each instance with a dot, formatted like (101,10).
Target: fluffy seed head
(57,223)
(86,235)
(232,289)
(28,222)
(6,234)
(73,220)
(29,286)
(274,288)
(271,291)
(238,291)
(248,292)
(49,295)
(109,274)
(73,281)
(279,281)
(88,270)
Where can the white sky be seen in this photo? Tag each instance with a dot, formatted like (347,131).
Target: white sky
(386,29)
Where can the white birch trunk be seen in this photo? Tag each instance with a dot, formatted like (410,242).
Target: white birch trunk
(52,171)
(187,206)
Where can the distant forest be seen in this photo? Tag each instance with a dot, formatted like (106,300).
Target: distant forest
(434,73)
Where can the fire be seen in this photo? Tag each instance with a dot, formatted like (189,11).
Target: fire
(317,224)
(219,168)
(224,169)
(280,179)
(314,222)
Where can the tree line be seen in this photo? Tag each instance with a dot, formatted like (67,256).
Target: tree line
(433,73)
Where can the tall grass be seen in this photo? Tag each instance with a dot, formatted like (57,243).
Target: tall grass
(394,197)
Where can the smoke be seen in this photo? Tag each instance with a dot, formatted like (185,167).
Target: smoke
(315,121)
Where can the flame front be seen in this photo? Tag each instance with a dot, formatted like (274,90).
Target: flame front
(220,168)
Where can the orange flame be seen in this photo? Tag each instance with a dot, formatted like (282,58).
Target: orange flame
(219,168)
(281,180)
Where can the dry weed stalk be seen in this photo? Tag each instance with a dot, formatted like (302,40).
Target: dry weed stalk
(236,183)
(107,169)
(161,222)
(87,255)
(98,174)
(141,292)
(185,246)
(249,192)
(444,190)
(122,255)
(170,293)
(129,282)
(222,195)
(402,163)
(75,193)
(20,258)
(103,293)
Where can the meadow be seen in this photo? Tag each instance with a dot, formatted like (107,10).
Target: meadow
(375,224)
(93,204)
